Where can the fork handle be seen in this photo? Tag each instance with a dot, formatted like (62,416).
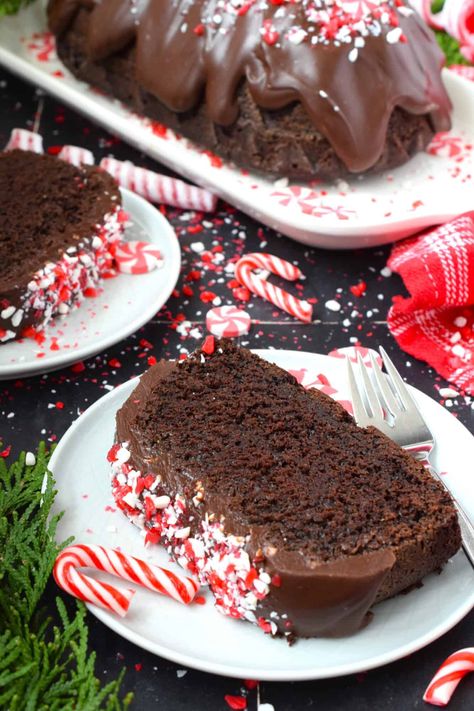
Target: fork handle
(467,529)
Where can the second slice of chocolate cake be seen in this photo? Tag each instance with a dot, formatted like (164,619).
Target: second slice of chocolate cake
(296,518)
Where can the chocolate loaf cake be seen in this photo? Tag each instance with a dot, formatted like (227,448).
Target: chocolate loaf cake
(57,223)
(306,89)
(297,519)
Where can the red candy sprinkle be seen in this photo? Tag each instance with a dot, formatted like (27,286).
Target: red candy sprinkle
(236,702)
(358,289)
(276,580)
(207,296)
(269,34)
(209,345)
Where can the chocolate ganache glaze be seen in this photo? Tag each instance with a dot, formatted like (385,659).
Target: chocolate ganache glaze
(350,64)
(319,594)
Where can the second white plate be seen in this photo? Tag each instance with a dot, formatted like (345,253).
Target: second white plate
(198,636)
(125,304)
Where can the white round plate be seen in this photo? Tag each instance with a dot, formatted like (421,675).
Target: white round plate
(198,636)
(126,303)
(429,189)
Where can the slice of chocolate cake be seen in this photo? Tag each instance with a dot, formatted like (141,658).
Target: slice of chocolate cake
(57,223)
(296,518)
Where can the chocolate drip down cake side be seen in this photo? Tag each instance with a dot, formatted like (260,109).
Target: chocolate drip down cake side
(297,519)
(298,88)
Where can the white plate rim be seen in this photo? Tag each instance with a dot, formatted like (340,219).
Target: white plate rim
(379,660)
(65,358)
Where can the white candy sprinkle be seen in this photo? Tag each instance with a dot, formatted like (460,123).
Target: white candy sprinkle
(17,318)
(459,321)
(9,311)
(353,54)
(394,35)
(30,459)
(197,247)
(448,392)
(123,455)
(161,502)
(182,532)
(333,305)
(386,272)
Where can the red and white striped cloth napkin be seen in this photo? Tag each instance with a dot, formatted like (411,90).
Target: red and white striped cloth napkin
(436,322)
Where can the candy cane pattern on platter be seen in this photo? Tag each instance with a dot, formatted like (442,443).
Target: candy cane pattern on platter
(244,273)
(448,676)
(137,257)
(75,155)
(228,321)
(69,578)
(25,141)
(159,188)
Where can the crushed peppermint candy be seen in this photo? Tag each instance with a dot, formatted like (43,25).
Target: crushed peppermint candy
(59,285)
(217,558)
(325,22)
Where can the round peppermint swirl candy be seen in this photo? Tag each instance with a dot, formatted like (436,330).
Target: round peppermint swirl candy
(227,321)
(137,257)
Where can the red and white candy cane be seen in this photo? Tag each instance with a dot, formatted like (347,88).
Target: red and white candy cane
(159,188)
(448,676)
(82,586)
(76,155)
(244,273)
(25,141)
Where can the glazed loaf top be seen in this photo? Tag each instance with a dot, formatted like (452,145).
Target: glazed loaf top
(348,62)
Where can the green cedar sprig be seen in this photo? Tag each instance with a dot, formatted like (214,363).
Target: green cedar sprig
(450,47)
(45,664)
(10,7)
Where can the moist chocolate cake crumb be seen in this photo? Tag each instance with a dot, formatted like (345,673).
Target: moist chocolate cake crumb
(292,461)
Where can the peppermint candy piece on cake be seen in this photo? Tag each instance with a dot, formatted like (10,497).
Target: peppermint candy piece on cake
(76,155)
(25,141)
(137,257)
(228,321)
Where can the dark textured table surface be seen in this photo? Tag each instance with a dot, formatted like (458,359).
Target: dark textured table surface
(43,408)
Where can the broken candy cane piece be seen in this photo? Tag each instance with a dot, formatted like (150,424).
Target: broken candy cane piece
(448,676)
(159,188)
(25,141)
(257,284)
(82,586)
(75,155)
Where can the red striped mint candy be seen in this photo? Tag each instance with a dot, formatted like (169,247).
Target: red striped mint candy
(228,321)
(137,257)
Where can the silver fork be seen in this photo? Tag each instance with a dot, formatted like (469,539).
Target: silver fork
(390,408)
